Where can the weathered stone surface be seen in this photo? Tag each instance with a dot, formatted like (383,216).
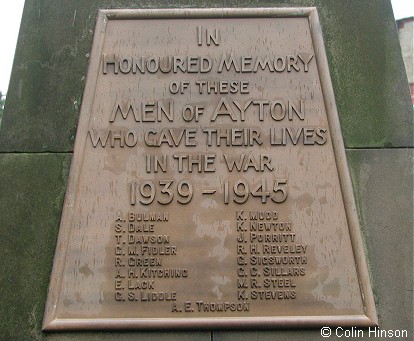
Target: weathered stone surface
(32,188)
(55,41)
(366,68)
(383,185)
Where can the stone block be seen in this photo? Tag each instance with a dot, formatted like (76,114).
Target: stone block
(50,67)
(383,185)
(32,189)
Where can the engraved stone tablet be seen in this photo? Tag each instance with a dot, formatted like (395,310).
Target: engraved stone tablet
(209,185)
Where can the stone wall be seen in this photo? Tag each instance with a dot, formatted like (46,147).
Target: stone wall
(39,124)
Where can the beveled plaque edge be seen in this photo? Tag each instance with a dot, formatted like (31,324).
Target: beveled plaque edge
(52,323)
(280,322)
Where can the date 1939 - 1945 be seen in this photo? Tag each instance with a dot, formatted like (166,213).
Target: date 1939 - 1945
(239,191)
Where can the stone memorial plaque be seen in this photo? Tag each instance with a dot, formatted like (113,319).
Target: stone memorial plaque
(209,185)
